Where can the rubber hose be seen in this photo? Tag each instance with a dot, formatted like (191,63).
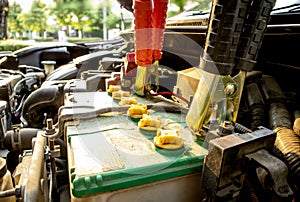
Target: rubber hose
(289,144)
(279,116)
(281,122)
(20,139)
(63,147)
(43,100)
(256,105)
(296,125)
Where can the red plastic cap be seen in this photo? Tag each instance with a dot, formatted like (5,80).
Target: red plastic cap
(130,57)
(143,4)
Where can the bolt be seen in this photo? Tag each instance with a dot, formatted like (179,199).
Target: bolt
(229,89)
(152,69)
(227,123)
(84,75)
(50,128)
(42,185)
(49,124)
(227,128)
(20,158)
(284,189)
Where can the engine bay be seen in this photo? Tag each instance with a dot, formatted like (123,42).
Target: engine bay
(105,128)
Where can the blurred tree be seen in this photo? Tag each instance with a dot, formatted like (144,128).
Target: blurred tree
(96,25)
(14,23)
(36,18)
(75,13)
(113,21)
(201,4)
(4,7)
(179,3)
(83,16)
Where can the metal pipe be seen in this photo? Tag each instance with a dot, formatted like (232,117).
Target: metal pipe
(6,193)
(36,187)
(53,183)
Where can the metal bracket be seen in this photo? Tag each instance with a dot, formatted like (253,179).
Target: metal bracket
(223,169)
(276,170)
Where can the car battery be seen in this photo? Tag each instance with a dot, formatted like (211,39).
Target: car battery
(7,84)
(111,159)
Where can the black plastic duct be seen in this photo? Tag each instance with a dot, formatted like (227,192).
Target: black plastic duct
(42,104)
(20,139)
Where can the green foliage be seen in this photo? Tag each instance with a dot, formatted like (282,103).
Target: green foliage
(200,5)
(76,13)
(14,22)
(12,45)
(179,3)
(23,38)
(43,39)
(36,18)
(81,15)
(172,13)
(76,39)
(112,20)
(203,5)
